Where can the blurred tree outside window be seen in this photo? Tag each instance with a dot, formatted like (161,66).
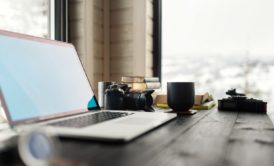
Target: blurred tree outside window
(25,16)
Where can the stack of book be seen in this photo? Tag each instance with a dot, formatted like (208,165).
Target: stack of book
(204,102)
(141,83)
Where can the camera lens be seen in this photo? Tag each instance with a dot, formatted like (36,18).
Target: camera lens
(138,100)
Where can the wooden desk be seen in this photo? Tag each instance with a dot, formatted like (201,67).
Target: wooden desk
(207,138)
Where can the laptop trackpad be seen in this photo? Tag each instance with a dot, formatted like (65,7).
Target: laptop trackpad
(136,121)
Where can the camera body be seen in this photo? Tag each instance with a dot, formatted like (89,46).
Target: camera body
(120,97)
(239,102)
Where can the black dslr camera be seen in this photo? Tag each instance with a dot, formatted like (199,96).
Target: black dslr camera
(120,97)
(239,102)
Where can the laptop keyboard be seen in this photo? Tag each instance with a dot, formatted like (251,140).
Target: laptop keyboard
(89,119)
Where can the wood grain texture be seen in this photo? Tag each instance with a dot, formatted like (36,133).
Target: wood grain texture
(208,138)
(137,152)
(203,144)
(251,142)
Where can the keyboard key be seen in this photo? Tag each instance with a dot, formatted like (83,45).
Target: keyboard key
(90,119)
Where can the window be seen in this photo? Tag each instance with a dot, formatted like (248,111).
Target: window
(28,16)
(219,45)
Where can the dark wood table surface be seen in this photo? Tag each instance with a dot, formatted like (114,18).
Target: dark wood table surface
(208,138)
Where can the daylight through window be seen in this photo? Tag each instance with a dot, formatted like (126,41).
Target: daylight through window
(25,16)
(220,44)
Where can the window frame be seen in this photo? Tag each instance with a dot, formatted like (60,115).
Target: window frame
(60,16)
(157,39)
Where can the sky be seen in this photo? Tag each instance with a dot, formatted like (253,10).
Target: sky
(218,26)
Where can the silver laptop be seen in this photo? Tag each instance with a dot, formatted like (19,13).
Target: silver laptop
(44,84)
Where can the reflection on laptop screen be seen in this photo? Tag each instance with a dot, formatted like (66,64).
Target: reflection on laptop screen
(40,79)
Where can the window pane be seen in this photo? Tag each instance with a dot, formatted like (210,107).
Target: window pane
(220,44)
(25,16)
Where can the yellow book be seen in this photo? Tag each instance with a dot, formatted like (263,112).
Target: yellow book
(162,105)
(205,106)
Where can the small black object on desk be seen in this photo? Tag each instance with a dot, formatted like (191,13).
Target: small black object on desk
(239,102)
(121,97)
(180,97)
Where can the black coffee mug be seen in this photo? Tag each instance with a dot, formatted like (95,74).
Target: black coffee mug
(180,95)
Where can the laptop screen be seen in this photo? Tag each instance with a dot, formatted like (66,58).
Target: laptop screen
(40,78)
